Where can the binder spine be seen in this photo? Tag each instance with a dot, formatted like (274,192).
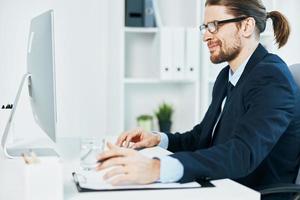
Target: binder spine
(158,21)
(178,53)
(192,54)
(149,20)
(166,69)
(134,13)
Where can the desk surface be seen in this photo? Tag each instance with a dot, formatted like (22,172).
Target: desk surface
(225,188)
(68,148)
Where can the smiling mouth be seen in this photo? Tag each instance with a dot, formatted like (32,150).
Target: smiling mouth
(213,46)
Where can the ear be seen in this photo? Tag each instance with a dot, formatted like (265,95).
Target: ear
(248,27)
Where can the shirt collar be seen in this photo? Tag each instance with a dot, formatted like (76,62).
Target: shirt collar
(234,77)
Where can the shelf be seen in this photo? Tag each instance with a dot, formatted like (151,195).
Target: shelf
(145,99)
(141,30)
(156,81)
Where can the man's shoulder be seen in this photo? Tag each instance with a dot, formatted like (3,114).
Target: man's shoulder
(271,65)
(271,70)
(272,61)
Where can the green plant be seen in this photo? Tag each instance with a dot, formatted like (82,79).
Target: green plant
(144,117)
(164,113)
(145,122)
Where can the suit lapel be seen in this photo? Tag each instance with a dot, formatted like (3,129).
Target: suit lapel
(259,53)
(216,107)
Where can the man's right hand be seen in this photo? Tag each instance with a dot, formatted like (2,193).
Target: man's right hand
(139,137)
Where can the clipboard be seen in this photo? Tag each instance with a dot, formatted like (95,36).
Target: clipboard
(80,178)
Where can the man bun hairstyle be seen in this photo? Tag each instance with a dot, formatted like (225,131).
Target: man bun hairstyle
(256,9)
(281,27)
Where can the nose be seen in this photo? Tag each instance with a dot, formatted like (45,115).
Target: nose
(207,36)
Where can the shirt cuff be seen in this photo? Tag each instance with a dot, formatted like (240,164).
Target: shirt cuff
(171,169)
(164,140)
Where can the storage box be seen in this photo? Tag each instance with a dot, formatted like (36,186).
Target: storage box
(38,181)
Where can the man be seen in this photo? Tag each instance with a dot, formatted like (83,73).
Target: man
(251,131)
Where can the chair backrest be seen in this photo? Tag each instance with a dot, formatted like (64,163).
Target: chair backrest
(295,69)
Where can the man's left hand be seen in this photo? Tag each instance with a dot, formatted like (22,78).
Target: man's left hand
(129,166)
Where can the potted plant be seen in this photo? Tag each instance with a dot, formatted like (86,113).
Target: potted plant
(145,122)
(164,115)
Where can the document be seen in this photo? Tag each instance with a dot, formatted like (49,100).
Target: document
(92,180)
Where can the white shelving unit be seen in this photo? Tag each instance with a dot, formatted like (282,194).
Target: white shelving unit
(143,87)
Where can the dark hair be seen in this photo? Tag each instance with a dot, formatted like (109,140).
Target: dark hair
(255,9)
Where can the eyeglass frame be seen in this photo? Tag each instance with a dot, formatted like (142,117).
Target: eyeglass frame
(217,23)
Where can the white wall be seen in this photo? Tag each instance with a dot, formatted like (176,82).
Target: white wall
(81,59)
(290,52)
(115,86)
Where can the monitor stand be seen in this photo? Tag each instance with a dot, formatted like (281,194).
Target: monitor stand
(18,152)
(40,152)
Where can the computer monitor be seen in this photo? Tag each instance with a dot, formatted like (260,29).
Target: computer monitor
(40,66)
(41,83)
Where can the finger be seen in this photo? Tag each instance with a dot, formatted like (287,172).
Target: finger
(115,171)
(112,162)
(110,154)
(122,151)
(122,179)
(141,144)
(122,138)
(126,144)
(114,151)
(131,145)
(130,137)
(112,146)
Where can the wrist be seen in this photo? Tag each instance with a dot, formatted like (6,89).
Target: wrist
(157,138)
(156,169)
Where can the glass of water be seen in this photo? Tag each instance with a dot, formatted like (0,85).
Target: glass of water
(90,148)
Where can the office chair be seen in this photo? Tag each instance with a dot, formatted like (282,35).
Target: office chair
(287,188)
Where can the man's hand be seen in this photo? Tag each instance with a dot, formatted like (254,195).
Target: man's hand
(129,166)
(140,138)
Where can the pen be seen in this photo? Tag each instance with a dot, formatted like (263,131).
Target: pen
(33,156)
(25,158)
(30,159)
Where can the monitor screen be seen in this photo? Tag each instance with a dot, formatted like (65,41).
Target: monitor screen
(40,66)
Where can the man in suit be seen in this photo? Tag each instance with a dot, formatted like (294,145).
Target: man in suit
(251,130)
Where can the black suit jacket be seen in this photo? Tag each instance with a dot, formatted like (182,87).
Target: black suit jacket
(258,137)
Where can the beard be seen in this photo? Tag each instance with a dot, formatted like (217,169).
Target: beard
(226,53)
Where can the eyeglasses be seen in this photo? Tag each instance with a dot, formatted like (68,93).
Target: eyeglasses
(213,26)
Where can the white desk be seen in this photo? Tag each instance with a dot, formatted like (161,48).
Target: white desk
(69,151)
